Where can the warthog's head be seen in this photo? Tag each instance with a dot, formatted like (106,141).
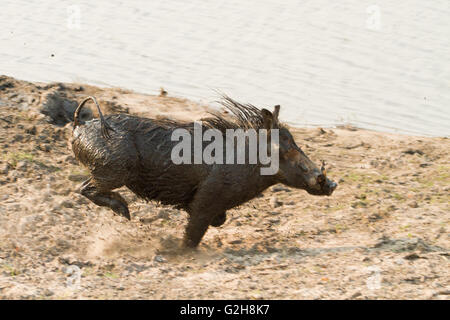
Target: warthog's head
(295,168)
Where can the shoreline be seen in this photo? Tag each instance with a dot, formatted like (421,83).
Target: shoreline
(207,106)
(390,212)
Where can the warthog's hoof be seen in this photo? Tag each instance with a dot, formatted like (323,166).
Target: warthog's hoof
(219,220)
(122,211)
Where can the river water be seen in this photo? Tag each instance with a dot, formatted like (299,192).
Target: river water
(382,65)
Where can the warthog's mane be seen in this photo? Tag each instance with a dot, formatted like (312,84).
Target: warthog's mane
(243,116)
(239,116)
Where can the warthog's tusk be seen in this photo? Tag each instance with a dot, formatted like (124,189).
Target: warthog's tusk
(324,171)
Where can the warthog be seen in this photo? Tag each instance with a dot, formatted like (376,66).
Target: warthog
(125,150)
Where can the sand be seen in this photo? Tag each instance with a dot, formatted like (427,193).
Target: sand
(383,234)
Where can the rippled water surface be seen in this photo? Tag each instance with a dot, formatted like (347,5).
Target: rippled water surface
(381,65)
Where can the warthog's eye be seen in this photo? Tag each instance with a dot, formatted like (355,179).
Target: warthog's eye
(303,167)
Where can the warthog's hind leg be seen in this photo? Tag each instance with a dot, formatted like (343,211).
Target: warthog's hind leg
(104,197)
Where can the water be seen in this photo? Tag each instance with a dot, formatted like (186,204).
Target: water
(384,67)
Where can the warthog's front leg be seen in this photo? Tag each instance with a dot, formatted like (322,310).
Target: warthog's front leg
(198,224)
(196,229)
(204,210)
(102,196)
(219,219)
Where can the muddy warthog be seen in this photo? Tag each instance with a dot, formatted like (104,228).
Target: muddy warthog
(125,150)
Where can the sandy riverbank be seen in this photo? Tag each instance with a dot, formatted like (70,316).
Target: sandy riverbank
(388,220)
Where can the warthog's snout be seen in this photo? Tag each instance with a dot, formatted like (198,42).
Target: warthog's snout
(332,186)
(328,187)
(319,184)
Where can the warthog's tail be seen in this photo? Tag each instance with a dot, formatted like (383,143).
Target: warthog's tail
(105,126)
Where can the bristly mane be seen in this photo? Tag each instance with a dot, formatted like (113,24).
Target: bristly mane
(246,116)
(243,116)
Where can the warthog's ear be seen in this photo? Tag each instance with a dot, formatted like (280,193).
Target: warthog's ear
(271,119)
(268,118)
(276,111)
